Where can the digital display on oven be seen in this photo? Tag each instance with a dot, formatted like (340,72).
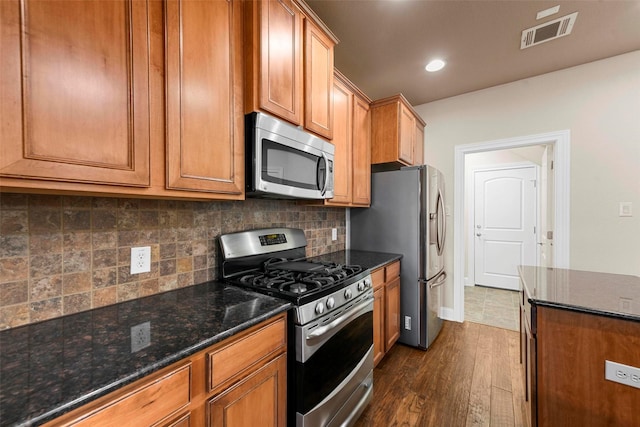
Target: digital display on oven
(272,239)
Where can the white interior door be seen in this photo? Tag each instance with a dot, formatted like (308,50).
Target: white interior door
(505,217)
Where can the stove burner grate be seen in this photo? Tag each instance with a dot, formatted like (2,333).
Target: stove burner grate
(297,277)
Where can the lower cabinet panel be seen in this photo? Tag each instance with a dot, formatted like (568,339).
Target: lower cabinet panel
(145,405)
(258,400)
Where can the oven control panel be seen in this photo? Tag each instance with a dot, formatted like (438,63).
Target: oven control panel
(337,300)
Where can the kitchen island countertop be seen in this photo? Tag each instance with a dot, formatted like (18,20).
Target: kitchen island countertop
(612,295)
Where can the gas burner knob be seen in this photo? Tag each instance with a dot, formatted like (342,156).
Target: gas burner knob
(361,286)
(348,294)
(367,283)
(319,308)
(331,303)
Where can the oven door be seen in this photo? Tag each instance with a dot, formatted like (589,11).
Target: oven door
(288,162)
(334,364)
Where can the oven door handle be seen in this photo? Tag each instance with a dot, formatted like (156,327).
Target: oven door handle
(353,312)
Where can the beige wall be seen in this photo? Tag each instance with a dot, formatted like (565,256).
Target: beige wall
(599,103)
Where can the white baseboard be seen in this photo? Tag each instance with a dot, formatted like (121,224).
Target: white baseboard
(468,282)
(447,313)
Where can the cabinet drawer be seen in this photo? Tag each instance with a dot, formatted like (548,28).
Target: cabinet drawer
(146,404)
(392,271)
(184,420)
(377,278)
(224,363)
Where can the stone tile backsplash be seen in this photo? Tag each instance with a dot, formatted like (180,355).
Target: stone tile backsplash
(64,254)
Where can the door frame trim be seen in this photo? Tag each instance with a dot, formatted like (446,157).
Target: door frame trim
(561,142)
(470,277)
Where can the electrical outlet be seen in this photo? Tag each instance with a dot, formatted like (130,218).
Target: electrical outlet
(407,323)
(140,336)
(334,234)
(623,374)
(140,260)
(625,305)
(625,209)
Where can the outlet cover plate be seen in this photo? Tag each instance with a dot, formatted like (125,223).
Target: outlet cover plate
(623,374)
(140,260)
(140,336)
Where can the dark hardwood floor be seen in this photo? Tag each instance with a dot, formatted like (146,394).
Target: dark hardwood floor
(471,376)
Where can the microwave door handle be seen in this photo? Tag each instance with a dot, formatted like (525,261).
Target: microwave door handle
(326,174)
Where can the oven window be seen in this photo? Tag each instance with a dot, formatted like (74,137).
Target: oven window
(288,166)
(332,363)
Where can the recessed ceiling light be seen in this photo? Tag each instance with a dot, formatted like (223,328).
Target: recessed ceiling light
(435,65)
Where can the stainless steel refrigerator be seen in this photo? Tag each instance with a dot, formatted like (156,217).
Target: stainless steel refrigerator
(407,216)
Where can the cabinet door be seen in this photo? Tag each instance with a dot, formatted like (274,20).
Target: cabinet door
(205,139)
(392,314)
(378,325)
(280,69)
(361,153)
(343,103)
(74,79)
(418,158)
(318,75)
(258,400)
(407,135)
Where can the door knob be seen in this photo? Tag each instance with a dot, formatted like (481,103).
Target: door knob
(478,234)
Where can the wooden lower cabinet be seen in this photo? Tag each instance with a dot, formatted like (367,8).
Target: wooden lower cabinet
(386,309)
(378,325)
(563,353)
(392,313)
(258,400)
(240,381)
(184,420)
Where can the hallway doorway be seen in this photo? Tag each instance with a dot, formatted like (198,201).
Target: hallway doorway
(559,200)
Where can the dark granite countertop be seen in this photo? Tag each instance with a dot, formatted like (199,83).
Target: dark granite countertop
(613,295)
(52,367)
(368,260)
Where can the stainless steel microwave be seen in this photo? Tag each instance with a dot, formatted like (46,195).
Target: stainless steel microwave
(284,161)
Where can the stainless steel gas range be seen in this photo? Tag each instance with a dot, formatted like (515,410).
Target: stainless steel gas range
(330,375)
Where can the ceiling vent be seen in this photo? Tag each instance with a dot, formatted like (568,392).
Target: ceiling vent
(548,31)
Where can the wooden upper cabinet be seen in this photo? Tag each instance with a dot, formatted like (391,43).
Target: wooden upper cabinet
(406,136)
(205,119)
(418,157)
(394,133)
(343,140)
(274,58)
(74,78)
(361,152)
(289,64)
(318,73)
(352,139)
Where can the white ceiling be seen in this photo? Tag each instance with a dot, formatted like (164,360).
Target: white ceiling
(385,44)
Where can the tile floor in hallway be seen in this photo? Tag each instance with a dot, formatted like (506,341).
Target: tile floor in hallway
(492,306)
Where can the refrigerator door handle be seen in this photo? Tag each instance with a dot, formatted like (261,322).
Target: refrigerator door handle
(440,280)
(442,222)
